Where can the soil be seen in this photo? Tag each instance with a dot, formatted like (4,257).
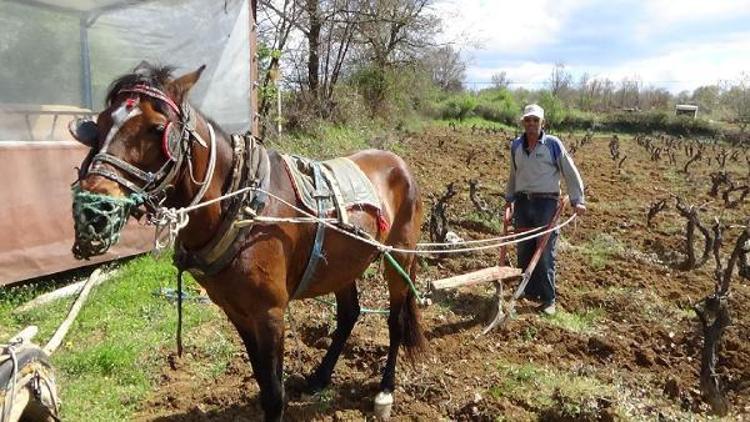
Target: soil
(642,344)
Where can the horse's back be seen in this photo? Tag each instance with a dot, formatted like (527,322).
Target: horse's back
(394,182)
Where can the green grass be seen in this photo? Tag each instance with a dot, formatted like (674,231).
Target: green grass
(551,394)
(327,141)
(491,223)
(600,250)
(584,323)
(111,358)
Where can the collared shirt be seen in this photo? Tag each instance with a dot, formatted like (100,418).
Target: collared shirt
(539,170)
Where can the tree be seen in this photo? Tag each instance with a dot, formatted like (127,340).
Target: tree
(446,67)
(500,80)
(560,80)
(396,31)
(629,94)
(707,98)
(737,102)
(554,112)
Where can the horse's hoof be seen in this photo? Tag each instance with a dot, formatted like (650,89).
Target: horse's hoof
(383,405)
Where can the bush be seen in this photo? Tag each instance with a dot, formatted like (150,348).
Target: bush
(659,121)
(580,120)
(554,112)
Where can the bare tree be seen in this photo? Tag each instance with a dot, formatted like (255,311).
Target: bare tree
(396,31)
(500,80)
(737,100)
(560,80)
(446,67)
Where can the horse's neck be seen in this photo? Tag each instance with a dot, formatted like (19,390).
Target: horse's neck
(204,221)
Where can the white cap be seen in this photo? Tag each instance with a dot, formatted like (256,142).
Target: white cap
(533,110)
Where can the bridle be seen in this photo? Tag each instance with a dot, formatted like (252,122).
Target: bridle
(177,141)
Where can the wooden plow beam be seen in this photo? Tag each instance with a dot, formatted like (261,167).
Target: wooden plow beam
(496,273)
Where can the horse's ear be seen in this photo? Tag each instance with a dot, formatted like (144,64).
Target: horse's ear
(181,86)
(143,68)
(84,131)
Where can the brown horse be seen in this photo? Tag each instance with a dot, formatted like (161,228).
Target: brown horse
(145,143)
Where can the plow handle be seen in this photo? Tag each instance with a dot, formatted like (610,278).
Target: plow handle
(540,249)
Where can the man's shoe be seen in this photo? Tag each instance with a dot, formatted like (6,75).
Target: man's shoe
(548,309)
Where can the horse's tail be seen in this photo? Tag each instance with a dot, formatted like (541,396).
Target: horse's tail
(412,336)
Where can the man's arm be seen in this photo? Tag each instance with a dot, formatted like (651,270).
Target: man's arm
(510,187)
(573,180)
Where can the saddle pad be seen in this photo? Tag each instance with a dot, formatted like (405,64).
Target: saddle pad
(356,189)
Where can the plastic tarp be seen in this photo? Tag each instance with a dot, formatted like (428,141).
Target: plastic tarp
(52,60)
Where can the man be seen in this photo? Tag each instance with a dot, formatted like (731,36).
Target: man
(533,193)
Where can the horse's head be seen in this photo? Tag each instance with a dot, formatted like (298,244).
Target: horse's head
(138,147)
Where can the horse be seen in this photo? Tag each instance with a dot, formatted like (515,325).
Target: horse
(150,148)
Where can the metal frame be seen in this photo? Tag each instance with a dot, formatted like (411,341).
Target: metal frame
(87,18)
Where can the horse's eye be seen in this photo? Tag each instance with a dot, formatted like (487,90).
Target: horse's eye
(159,128)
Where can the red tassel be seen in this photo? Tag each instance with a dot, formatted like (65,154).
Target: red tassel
(383,225)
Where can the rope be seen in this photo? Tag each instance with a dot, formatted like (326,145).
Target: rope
(11,350)
(421,300)
(173,217)
(179,313)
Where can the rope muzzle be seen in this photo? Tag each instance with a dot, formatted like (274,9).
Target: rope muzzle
(98,220)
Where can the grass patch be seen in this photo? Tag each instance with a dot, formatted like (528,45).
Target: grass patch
(553,395)
(111,357)
(326,141)
(584,323)
(600,250)
(486,223)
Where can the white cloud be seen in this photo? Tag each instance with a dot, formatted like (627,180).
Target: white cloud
(504,25)
(671,11)
(511,31)
(686,67)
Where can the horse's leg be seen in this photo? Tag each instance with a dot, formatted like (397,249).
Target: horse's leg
(403,327)
(265,348)
(347,312)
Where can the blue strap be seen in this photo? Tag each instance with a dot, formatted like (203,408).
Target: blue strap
(317,249)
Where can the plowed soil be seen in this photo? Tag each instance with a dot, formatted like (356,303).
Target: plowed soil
(625,344)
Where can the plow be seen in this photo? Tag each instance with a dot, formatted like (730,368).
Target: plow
(503,272)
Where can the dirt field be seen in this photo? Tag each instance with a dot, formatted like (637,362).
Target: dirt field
(626,344)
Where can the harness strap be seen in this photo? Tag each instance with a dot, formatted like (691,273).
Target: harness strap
(338,198)
(317,249)
(254,167)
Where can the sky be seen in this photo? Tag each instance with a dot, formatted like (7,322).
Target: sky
(673,44)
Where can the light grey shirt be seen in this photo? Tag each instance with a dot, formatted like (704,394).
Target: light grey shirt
(538,171)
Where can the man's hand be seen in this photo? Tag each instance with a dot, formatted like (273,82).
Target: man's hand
(580,209)
(509,206)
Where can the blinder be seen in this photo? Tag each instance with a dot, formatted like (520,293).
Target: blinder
(84,131)
(170,142)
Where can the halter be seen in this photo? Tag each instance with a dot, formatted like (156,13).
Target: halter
(99,218)
(176,144)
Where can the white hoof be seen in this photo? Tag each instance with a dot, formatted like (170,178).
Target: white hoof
(383,405)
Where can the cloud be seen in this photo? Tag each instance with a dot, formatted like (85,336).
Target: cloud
(675,45)
(504,26)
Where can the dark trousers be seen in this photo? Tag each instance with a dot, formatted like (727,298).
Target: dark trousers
(530,213)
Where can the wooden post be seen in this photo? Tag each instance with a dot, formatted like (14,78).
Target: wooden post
(254,80)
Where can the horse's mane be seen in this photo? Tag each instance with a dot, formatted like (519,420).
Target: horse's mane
(146,74)
(154,76)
